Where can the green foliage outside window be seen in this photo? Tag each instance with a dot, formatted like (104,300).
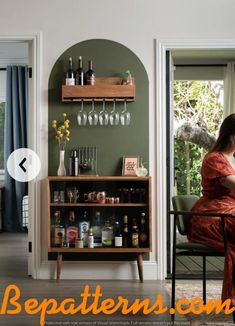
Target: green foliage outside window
(201,104)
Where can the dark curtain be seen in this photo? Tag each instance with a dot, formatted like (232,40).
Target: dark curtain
(15,136)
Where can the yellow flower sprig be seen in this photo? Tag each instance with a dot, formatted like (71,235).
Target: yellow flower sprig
(62,132)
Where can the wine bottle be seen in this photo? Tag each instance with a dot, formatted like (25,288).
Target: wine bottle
(125,232)
(143,236)
(69,77)
(117,235)
(79,77)
(134,235)
(90,75)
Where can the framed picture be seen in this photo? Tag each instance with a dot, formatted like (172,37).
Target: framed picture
(129,165)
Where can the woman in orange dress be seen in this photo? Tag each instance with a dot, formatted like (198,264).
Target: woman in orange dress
(218,195)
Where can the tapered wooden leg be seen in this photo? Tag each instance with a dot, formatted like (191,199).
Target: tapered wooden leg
(59,264)
(140,266)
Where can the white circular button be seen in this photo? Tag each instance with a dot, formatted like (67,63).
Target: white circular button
(23,165)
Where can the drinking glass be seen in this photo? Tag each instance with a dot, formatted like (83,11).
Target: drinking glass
(114,115)
(72,194)
(82,116)
(125,116)
(93,115)
(103,116)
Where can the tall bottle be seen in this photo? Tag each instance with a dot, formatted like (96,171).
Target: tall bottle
(71,230)
(69,77)
(90,74)
(90,238)
(58,235)
(125,232)
(117,235)
(143,234)
(107,234)
(84,225)
(134,235)
(97,230)
(79,77)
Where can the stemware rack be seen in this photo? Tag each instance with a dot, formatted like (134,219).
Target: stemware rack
(105,88)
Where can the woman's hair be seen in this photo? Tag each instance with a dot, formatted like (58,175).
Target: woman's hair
(226,139)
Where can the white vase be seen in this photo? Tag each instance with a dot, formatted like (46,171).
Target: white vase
(61,170)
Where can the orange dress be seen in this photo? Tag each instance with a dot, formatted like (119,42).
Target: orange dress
(207,230)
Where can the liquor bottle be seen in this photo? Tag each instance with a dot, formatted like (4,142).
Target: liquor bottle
(125,232)
(79,77)
(143,235)
(134,235)
(90,75)
(69,77)
(107,234)
(74,163)
(90,238)
(97,231)
(71,230)
(58,235)
(84,225)
(117,235)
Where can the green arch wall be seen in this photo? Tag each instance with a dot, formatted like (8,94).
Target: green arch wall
(109,59)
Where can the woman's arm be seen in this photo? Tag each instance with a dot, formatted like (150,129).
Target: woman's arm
(229,182)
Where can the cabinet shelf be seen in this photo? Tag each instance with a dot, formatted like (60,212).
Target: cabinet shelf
(105,88)
(97,204)
(101,250)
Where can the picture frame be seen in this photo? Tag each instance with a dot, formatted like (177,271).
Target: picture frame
(129,165)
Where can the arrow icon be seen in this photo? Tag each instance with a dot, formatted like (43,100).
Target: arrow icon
(21,164)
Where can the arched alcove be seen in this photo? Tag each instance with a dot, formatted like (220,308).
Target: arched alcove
(109,59)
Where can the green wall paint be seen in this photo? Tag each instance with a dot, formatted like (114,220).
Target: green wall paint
(109,59)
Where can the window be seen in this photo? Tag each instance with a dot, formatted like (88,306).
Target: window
(196,104)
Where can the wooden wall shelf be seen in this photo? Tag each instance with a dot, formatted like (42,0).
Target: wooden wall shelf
(108,88)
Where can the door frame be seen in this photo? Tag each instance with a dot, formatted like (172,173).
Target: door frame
(34,122)
(161,46)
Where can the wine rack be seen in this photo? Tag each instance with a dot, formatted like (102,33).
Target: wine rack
(105,88)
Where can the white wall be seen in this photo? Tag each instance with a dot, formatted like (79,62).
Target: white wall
(135,24)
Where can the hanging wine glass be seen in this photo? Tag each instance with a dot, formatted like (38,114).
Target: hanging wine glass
(125,116)
(114,115)
(93,115)
(82,116)
(103,116)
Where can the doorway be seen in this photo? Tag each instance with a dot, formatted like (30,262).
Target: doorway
(161,135)
(30,245)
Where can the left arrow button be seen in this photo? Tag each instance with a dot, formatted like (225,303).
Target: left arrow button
(22,164)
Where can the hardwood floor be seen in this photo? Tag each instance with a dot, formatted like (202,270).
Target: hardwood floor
(13,270)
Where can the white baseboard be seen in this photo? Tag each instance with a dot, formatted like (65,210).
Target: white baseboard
(84,270)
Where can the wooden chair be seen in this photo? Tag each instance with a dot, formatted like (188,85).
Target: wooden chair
(182,205)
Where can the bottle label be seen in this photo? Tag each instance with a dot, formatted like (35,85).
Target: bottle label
(135,240)
(59,236)
(97,241)
(90,80)
(107,238)
(118,241)
(69,81)
(72,234)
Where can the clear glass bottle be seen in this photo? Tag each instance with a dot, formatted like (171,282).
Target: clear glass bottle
(107,234)
(90,238)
